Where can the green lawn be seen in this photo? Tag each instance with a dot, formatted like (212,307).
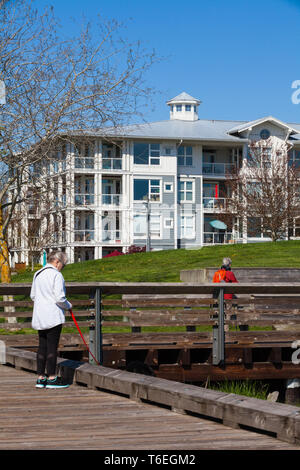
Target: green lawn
(165,266)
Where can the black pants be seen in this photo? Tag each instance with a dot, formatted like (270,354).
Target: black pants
(47,352)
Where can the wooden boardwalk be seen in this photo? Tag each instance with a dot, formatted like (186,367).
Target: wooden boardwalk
(81,418)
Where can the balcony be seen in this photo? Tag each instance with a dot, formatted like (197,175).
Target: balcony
(213,204)
(111,199)
(112,164)
(84,235)
(218,169)
(217,238)
(84,199)
(84,163)
(111,236)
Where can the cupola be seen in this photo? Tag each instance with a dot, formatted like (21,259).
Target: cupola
(184,107)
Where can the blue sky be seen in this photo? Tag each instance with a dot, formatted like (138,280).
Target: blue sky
(239,57)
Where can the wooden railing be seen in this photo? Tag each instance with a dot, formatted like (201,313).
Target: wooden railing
(144,306)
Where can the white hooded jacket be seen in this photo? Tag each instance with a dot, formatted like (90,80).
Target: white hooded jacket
(49,296)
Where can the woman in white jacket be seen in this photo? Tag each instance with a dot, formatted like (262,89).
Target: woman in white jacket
(49,296)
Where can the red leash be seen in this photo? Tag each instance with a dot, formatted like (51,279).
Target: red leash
(82,337)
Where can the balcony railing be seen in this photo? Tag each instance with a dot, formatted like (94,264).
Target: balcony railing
(211,204)
(111,236)
(112,199)
(218,168)
(84,235)
(217,238)
(84,162)
(112,164)
(84,199)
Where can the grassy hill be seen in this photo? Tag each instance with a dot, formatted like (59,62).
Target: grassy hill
(165,266)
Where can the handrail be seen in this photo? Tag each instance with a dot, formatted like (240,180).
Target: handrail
(96,290)
(162,288)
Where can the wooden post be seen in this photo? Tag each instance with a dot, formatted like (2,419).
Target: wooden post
(219,334)
(92,329)
(98,326)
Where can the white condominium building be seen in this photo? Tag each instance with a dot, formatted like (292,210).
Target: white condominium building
(159,184)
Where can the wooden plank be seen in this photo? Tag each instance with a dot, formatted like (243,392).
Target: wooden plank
(167,302)
(21,325)
(280,419)
(253,371)
(161,288)
(166,312)
(46,420)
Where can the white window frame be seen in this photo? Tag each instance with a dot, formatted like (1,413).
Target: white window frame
(185,156)
(183,201)
(153,235)
(139,234)
(168,190)
(183,227)
(149,189)
(166,220)
(151,156)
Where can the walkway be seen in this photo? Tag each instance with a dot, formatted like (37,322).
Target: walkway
(81,418)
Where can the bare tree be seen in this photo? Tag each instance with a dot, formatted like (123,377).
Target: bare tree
(58,87)
(265,192)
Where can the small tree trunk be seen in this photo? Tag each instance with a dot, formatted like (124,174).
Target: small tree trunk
(4,255)
(5,269)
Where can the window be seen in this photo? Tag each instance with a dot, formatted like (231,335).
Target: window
(141,154)
(155,226)
(84,191)
(168,187)
(254,188)
(141,189)
(188,107)
(266,157)
(185,155)
(294,158)
(259,157)
(145,154)
(146,188)
(154,190)
(63,157)
(168,223)
(187,226)
(140,226)
(111,157)
(154,154)
(83,156)
(179,107)
(255,228)
(84,227)
(186,191)
(264,134)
